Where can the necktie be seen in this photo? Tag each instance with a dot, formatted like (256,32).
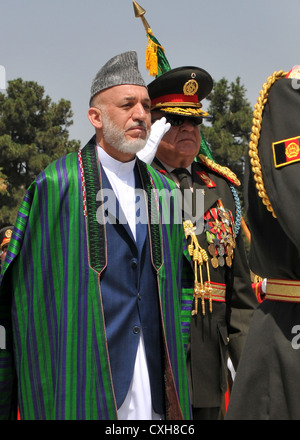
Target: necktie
(182,175)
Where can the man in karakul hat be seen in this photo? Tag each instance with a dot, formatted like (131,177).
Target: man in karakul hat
(267,384)
(223,297)
(85,343)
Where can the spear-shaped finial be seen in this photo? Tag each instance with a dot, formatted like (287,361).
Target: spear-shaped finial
(156,61)
(139,12)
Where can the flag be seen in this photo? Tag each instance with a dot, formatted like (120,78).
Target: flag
(286,151)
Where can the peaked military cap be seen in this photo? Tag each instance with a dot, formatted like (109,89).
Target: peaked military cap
(180,91)
(121,69)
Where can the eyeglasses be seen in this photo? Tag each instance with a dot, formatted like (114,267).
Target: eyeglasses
(178,120)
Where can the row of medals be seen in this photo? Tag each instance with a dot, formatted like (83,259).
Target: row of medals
(219,228)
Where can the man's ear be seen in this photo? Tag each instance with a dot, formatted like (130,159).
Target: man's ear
(95,117)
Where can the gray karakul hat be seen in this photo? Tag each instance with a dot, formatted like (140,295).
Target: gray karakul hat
(121,69)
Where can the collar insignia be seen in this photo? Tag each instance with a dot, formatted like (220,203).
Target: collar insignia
(206,179)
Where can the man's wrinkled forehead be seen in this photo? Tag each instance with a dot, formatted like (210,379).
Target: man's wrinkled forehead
(126,93)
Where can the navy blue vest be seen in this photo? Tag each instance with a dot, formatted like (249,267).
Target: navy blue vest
(130,299)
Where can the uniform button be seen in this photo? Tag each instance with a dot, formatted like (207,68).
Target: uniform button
(134,264)
(139,296)
(136,330)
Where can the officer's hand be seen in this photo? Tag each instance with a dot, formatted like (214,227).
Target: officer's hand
(158,130)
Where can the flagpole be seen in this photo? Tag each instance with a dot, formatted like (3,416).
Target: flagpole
(139,12)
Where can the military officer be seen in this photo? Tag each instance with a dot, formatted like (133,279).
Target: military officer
(267,382)
(224,300)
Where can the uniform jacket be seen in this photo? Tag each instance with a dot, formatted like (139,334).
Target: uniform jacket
(55,364)
(223,331)
(269,368)
(275,243)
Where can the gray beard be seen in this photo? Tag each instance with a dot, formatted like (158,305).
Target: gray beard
(115,136)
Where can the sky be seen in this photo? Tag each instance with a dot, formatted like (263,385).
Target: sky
(61,44)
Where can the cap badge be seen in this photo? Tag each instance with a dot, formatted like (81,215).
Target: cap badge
(8,233)
(190,87)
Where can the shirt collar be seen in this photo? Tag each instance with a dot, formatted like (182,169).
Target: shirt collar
(120,169)
(170,169)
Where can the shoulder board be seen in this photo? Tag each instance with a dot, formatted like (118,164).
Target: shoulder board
(223,171)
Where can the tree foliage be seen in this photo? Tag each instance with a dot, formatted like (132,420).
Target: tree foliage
(229,133)
(33,133)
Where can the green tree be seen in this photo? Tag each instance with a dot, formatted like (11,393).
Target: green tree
(229,132)
(33,133)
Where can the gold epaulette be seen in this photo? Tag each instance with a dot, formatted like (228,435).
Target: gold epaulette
(255,135)
(223,171)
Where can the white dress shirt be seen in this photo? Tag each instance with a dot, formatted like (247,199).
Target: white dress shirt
(138,402)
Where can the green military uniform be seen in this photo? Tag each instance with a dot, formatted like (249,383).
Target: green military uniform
(224,300)
(267,382)
(222,330)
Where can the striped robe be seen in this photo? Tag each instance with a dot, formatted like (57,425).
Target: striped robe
(55,365)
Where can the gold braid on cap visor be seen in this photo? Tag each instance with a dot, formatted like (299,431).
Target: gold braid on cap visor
(181,111)
(185,109)
(255,135)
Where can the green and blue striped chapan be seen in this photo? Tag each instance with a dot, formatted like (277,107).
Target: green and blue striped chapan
(56,364)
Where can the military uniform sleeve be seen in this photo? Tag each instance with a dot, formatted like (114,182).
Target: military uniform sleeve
(280,157)
(241,301)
